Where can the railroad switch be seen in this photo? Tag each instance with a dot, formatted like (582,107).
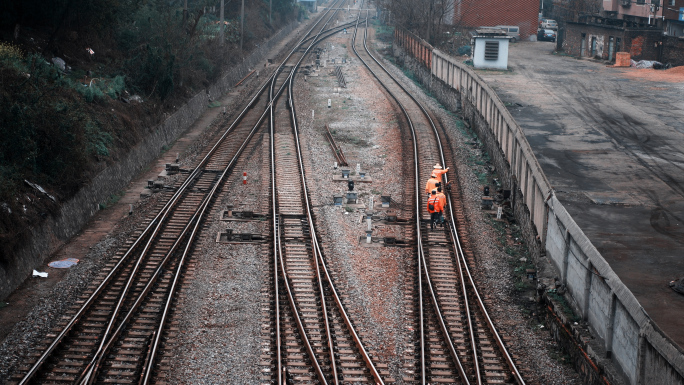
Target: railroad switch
(172,168)
(487,203)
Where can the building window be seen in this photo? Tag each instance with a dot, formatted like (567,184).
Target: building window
(641,1)
(672,2)
(491,50)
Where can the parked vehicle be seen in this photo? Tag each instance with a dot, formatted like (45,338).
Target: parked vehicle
(546,35)
(511,30)
(549,24)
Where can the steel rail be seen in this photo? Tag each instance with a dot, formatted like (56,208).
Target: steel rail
(337,150)
(278,242)
(478,376)
(92,369)
(317,249)
(88,375)
(277,250)
(203,208)
(457,243)
(422,265)
(421,313)
(153,226)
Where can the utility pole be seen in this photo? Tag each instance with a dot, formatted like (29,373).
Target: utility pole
(221,28)
(242,23)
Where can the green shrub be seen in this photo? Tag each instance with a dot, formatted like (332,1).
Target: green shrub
(97,141)
(11,56)
(115,87)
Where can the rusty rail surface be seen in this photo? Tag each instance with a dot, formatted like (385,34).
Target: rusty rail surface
(337,150)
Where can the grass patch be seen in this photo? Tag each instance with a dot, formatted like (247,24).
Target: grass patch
(563,305)
(214,104)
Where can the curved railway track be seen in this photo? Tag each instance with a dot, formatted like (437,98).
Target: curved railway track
(457,341)
(117,333)
(320,342)
(120,330)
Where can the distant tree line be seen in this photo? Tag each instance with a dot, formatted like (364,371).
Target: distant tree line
(71,70)
(429,19)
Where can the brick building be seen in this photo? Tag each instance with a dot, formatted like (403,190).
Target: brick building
(489,13)
(673,14)
(673,50)
(638,11)
(601,38)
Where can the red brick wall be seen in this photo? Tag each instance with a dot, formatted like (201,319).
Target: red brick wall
(641,44)
(673,50)
(478,13)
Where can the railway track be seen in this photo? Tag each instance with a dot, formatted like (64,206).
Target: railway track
(457,341)
(117,332)
(121,328)
(315,339)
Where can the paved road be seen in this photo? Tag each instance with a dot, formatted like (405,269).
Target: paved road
(612,145)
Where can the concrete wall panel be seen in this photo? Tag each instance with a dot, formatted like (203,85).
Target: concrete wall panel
(555,243)
(576,273)
(626,341)
(599,306)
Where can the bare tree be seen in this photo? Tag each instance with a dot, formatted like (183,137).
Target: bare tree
(426,18)
(571,10)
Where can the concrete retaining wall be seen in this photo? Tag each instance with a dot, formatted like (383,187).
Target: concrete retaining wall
(48,236)
(642,353)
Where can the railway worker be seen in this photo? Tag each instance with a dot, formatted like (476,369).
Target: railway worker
(443,202)
(431,184)
(434,207)
(438,172)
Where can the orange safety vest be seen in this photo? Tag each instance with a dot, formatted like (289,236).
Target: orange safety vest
(436,204)
(439,173)
(442,199)
(431,185)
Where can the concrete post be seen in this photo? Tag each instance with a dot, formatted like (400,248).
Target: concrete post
(641,357)
(610,326)
(566,256)
(588,276)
